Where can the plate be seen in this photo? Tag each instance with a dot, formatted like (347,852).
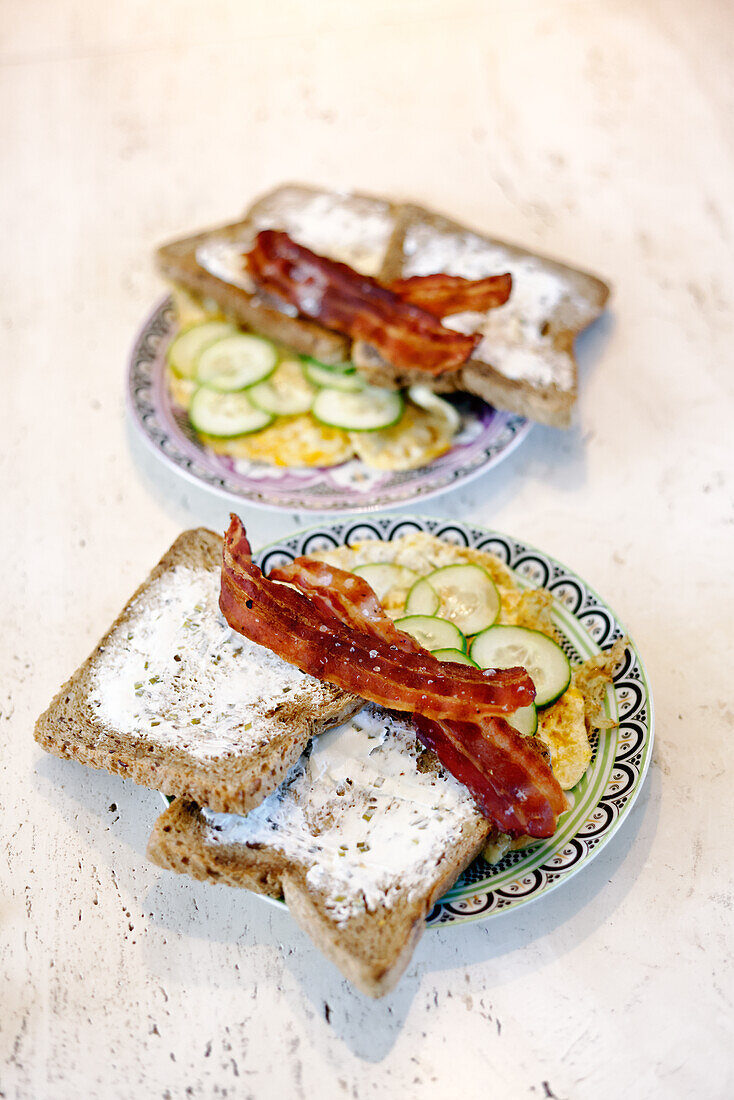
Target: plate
(486,437)
(606,794)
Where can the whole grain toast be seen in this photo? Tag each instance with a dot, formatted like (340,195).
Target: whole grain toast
(524,364)
(361,840)
(355,229)
(174,700)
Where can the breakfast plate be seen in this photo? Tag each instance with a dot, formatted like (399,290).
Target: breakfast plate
(485,438)
(621,755)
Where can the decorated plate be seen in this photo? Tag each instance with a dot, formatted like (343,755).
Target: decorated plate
(485,438)
(605,795)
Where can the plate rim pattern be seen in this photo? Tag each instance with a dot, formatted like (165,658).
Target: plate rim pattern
(621,756)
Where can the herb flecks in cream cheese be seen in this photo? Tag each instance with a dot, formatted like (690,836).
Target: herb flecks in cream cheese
(357,815)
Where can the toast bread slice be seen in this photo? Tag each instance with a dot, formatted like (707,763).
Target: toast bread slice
(174,700)
(361,840)
(353,228)
(525,362)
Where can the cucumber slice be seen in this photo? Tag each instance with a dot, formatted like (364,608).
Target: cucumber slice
(432,633)
(426,399)
(468,596)
(456,656)
(287,392)
(344,378)
(422,599)
(225,414)
(545,661)
(184,351)
(524,720)
(367,411)
(235,362)
(381,576)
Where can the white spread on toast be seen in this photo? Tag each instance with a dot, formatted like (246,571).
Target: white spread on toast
(358,816)
(343,227)
(222,258)
(177,675)
(515,339)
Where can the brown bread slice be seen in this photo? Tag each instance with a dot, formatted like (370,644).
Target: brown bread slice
(174,700)
(525,363)
(361,840)
(353,228)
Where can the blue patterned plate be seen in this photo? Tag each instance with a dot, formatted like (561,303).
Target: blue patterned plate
(605,795)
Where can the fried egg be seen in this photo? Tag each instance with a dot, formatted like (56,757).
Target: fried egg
(419,436)
(289,441)
(562,727)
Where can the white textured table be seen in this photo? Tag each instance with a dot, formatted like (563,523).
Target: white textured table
(601,133)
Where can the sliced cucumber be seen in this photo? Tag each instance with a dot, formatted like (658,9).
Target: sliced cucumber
(287,392)
(524,720)
(184,351)
(545,661)
(226,414)
(422,599)
(454,655)
(235,362)
(468,596)
(432,633)
(381,576)
(367,411)
(344,378)
(426,399)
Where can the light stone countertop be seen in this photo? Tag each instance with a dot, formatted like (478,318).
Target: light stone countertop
(600,133)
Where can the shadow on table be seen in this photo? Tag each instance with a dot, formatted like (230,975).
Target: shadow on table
(272,949)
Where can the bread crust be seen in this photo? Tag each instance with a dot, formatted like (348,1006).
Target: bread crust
(371,949)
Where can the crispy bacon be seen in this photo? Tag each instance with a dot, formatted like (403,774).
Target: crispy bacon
(356,305)
(508,778)
(286,621)
(443,295)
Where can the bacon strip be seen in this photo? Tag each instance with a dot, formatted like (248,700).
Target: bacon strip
(286,621)
(351,599)
(356,305)
(508,778)
(442,294)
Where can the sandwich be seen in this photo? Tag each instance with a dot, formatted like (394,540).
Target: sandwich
(359,313)
(283,779)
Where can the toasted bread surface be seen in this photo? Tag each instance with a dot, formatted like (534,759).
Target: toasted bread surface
(361,840)
(525,361)
(172,698)
(353,228)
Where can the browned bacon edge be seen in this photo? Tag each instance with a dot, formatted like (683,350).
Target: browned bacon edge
(358,306)
(286,621)
(509,780)
(443,295)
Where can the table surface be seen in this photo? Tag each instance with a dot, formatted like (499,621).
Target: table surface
(598,133)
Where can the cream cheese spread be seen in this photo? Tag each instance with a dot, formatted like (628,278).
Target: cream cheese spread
(517,338)
(357,815)
(177,675)
(348,228)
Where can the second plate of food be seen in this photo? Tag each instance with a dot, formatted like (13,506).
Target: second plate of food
(292,434)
